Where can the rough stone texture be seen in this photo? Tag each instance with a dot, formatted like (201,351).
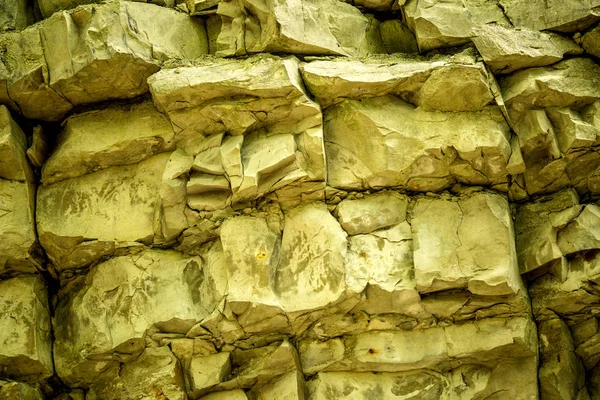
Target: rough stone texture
(385,141)
(311,27)
(25,337)
(450,23)
(296,216)
(105,321)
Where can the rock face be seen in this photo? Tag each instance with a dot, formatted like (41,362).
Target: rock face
(303,200)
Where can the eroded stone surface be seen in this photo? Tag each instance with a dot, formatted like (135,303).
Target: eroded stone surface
(552,15)
(25,337)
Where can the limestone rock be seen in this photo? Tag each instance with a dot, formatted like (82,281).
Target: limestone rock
(26,76)
(25,337)
(105,321)
(100,139)
(582,233)
(377,5)
(572,133)
(289,387)
(40,147)
(19,391)
(99,212)
(591,41)
(569,83)
(310,273)
(552,15)
(155,373)
(16,15)
(362,385)
(226,395)
(104,52)
(200,183)
(309,27)
(372,213)
(208,371)
(422,82)
(537,225)
(386,142)
(13,145)
(466,243)
(18,248)
(507,50)
(449,23)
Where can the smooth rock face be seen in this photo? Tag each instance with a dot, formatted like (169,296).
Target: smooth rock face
(387,142)
(86,231)
(372,213)
(100,139)
(449,23)
(25,337)
(310,27)
(450,249)
(552,15)
(429,84)
(121,299)
(115,64)
(507,50)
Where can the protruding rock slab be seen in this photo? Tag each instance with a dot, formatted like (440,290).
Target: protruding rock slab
(552,14)
(25,337)
(16,15)
(591,41)
(104,52)
(308,27)
(465,243)
(13,147)
(155,373)
(100,139)
(375,212)
(106,319)
(433,85)
(507,50)
(450,23)
(19,391)
(82,219)
(385,141)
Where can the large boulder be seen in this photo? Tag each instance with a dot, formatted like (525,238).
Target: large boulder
(104,52)
(439,84)
(82,219)
(100,139)
(308,27)
(385,141)
(25,337)
(105,320)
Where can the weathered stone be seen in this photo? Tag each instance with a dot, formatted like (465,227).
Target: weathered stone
(569,83)
(208,371)
(226,395)
(289,387)
(552,15)
(465,243)
(365,385)
(386,142)
(100,139)
(449,23)
(105,321)
(155,373)
(591,41)
(200,183)
(39,150)
(99,213)
(310,273)
(25,337)
(209,161)
(377,5)
(13,145)
(397,37)
(26,77)
(561,373)
(372,213)
(103,52)
(537,139)
(507,50)
(582,233)
(536,227)
(572,133)
(306,27)
(16,15)
(18,247)
(426,83)
(19,391)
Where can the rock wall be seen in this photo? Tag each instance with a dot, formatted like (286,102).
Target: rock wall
(300,200)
